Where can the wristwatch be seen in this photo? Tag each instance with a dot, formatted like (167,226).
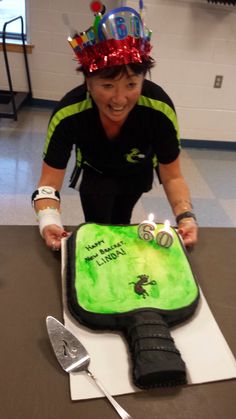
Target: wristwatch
(45,192)
(186,214)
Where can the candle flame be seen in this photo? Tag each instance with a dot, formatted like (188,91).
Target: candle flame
(151,217)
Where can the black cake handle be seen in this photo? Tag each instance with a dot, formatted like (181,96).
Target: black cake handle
(156,360)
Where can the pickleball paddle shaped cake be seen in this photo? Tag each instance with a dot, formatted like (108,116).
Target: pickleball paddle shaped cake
(117,281)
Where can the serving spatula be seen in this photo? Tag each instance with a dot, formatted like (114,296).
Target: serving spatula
(73,357)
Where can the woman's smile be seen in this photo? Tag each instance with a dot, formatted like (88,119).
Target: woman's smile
(115,98)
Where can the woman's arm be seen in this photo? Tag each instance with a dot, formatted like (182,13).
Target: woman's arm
(50,177)
(48,210)
(178,195)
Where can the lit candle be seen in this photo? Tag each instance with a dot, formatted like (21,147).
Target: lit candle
(165,236)
(146,229)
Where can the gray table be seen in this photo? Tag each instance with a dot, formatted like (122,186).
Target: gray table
(33,386)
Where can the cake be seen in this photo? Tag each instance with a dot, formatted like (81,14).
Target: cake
(117,281)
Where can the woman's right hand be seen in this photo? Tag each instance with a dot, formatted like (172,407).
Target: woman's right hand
(48,208)
(53,234)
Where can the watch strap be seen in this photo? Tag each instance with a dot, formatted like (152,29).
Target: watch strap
(45,192)
(186,214)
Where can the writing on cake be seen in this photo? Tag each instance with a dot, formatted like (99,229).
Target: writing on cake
(105,254)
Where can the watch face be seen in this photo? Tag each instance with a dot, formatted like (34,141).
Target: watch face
(46,191)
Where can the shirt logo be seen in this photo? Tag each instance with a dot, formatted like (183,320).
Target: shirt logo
(135,156)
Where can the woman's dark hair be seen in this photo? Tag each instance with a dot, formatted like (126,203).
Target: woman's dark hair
(113,72)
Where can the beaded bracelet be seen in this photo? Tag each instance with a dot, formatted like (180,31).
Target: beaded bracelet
(183,201)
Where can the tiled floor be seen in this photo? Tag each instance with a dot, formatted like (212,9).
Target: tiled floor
(210,175)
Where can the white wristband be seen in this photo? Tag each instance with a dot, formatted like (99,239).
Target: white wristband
(45,192)
(47,217)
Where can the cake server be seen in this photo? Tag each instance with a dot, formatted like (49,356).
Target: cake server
(73,357)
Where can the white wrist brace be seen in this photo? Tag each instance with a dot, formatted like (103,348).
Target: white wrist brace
(47,217)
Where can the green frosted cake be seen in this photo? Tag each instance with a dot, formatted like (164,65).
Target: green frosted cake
(118,281)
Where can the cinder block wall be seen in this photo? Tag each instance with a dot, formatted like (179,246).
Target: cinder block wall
(193,42)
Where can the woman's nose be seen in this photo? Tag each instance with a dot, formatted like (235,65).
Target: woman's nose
(119,96)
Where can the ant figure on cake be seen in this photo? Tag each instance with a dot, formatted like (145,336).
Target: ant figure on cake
(139,285)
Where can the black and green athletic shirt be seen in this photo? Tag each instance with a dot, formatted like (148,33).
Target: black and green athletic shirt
(149,134)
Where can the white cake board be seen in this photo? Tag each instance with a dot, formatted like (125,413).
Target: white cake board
(199,340)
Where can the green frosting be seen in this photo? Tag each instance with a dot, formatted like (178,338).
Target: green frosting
(116,271)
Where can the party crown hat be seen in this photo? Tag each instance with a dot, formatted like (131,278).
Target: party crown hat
(115,38)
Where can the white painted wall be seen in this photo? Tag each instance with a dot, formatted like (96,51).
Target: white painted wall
(193,41)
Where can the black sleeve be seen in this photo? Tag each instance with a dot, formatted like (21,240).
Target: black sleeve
(164,124)
(166,142)
(63,129)
(59,142)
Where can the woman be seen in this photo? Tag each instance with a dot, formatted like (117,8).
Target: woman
(122,127)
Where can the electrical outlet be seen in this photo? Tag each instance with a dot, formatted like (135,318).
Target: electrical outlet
(218,82)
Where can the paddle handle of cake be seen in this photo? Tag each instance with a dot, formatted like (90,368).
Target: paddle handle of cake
(121,412)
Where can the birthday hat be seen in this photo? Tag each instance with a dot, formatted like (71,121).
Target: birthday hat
(115,38)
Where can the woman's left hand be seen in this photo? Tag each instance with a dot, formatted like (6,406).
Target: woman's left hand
(188,229)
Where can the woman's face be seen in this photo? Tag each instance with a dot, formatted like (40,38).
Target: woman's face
(115,98)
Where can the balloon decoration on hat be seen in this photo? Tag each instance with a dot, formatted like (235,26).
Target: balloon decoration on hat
(117,37)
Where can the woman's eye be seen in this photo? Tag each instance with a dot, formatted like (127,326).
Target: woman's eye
(107,86)
(132,85)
